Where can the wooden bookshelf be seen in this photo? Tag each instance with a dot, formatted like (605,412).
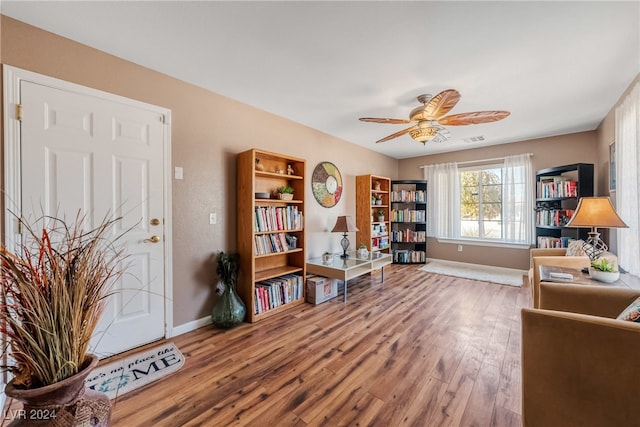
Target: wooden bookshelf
(272,260)
(373,232)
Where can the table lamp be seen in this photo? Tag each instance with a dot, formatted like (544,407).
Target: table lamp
(595,212)
(344,224)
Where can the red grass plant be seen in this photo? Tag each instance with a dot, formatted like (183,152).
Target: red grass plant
(52,294)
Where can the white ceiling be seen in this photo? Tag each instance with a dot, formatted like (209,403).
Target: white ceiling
(558,67)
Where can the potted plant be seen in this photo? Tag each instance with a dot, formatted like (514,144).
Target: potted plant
(604,270)
(53,289)
(327,257)
(362,251)
(229,311)
(285,193)
(380,213)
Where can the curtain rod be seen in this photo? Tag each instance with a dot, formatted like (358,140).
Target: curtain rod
(479,161)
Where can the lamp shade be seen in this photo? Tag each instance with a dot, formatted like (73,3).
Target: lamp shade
(344,224)
(596,212)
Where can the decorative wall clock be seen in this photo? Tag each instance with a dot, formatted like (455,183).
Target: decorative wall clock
(326,183)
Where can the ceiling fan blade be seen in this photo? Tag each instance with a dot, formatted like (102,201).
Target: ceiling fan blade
(390,121)
(441,104)
(397,134)
(473,118)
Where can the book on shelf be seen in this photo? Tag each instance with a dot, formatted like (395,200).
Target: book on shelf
(272,293)
(406,196)
(276,218)
(408,256)
(553,217)
(554,242)
(408,215)
(408,236)
(556,186)
(265,244)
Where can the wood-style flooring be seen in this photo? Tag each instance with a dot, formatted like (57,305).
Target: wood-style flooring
(420,349)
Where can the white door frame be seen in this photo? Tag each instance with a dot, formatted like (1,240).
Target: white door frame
(12,162)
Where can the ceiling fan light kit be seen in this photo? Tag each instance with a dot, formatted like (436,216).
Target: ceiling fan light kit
(430,117)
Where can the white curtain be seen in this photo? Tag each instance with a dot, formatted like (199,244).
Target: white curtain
(517,199)
(443,209)
(627,160)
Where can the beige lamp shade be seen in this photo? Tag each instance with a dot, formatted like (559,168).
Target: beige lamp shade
(344,224)
(596,212)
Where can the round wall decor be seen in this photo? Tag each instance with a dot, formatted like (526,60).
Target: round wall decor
(326,183)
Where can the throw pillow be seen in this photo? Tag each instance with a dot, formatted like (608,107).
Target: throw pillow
(631,313)
(575,248)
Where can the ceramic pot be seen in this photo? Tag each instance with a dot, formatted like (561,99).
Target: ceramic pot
(363,253)
(65,403)
(604,276)
(327,258)
(229,311)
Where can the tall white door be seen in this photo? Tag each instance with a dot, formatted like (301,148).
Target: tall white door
(102,157)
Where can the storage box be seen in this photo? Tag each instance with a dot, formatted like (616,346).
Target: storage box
(321,289)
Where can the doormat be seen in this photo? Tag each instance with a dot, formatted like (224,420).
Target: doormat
(123,375)
(485,273)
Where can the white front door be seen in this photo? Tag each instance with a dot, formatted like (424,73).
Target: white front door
(82,152)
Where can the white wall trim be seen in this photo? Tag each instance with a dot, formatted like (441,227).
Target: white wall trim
(191,326)
(474,242)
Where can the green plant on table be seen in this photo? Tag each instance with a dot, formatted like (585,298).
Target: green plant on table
(362,246)
(603,264)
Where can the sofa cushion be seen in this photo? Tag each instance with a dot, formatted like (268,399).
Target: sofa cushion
(631,313)
(575,248)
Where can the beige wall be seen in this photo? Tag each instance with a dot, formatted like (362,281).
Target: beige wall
(208,130)
(547,152)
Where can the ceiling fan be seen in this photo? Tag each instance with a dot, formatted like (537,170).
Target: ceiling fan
(429,120)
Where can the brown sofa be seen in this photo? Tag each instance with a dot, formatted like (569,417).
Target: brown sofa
(550,256)
(579,364)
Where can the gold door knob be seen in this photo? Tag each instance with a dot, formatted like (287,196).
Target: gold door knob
(152,239)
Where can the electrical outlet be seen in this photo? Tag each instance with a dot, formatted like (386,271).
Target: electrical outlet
(213,218)
(459,248)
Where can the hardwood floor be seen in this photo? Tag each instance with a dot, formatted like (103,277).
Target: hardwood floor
(420,349)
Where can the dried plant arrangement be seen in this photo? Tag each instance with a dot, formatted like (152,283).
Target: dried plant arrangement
(53,290)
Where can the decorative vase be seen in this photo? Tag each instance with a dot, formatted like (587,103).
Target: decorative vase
(363,253)
(604,276)
(327,258)
(65,403)
(229,311)
(259,166)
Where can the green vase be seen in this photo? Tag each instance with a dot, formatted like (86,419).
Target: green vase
(229,311)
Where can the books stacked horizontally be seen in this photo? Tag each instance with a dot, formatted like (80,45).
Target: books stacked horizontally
(272,293)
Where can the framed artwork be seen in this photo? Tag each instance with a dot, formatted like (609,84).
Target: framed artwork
(326,184)
(612,167)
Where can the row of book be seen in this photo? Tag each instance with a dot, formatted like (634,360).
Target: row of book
(275,218)
(270,243)
(401,236)
(554,217)
(381,242)
(556,186)
(406,256)
(554,242)
(404,196)
(272,293)
(408,215)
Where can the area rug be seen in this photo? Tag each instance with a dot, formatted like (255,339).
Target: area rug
(132,372)
(504,276)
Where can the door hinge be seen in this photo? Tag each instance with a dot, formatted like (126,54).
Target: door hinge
(19,112)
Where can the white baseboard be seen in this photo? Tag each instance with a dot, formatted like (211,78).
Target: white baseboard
(190,326)
(504,269)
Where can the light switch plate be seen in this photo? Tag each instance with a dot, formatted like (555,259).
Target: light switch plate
(178,172)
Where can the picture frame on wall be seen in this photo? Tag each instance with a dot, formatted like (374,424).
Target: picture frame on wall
(612,167)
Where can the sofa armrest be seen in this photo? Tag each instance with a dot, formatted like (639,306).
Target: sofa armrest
(546,252)
(578,370)
(577,262)
(603,301)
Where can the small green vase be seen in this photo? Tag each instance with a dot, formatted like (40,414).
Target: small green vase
(229,311)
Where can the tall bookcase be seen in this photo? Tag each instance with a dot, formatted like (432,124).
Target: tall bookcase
(558,191)
(408,221)
(372,198)
(270,232)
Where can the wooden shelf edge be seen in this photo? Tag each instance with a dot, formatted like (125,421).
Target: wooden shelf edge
(276,272)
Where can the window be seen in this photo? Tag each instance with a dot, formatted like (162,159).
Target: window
(481,202)
(491,203)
